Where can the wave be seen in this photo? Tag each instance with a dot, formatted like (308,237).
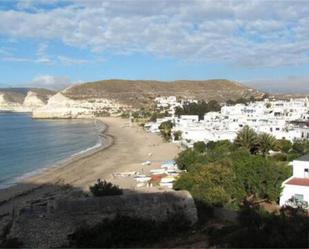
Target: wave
(89,149)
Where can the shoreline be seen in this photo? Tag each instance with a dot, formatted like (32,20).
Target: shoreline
(74,157)
(102,145)
(126,149)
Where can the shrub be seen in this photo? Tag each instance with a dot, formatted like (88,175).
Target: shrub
(11,243)
(281,157)
(124,231)
(177,135)
(293,155)
(104,188)
(257,229)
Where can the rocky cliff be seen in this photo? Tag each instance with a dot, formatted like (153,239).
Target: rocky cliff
(60,106)
(23,99)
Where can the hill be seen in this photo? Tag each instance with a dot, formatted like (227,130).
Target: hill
(141,92)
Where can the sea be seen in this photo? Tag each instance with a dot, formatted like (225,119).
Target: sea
(28,146)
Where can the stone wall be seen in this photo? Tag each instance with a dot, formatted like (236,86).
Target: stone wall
(49,225)
(157,206)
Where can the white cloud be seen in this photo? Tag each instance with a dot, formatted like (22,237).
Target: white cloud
(51,82)
(248,33)
(71,61)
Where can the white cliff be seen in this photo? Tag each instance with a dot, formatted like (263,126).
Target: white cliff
(60,106)
(6,105)
(32,101)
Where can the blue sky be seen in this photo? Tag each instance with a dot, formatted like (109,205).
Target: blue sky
(55,43)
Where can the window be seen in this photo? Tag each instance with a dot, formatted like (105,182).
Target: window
(306,173)
(299,197)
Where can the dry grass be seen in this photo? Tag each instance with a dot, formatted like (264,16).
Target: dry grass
(140,92)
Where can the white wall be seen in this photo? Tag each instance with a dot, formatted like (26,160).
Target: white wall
(291,190)
(299,168)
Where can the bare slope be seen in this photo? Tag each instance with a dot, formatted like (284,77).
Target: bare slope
(140,92)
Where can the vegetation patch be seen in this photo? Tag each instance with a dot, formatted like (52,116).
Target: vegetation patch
(126,232)
(104,188)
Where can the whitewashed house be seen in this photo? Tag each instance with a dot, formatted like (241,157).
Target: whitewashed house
(281,118)
(296,187)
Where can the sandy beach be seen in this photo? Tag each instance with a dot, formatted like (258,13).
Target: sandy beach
(128,147)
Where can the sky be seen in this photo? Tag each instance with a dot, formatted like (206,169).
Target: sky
(55,43)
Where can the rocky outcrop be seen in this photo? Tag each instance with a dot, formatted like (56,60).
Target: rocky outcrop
(7,105)
(60,106)
(20,100)
(32,101)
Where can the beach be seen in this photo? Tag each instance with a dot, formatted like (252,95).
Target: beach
(126,148)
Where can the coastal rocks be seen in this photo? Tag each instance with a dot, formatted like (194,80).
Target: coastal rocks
(7,105)
(32,100)
(24,104)
(59,106)
(49,226)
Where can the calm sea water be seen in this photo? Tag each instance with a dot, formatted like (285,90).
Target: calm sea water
(28,145)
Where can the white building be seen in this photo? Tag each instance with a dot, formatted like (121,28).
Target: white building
(279,118)
(297,186)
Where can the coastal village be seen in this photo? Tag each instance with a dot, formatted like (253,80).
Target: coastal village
(154,124)
(149,182)
(283,119)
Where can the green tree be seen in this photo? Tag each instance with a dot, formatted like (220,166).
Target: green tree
(166,129)
(190,159)
(284,145)
(212,184)
(199,108)
(219,149)
(199,147)
(259,177)
(301,147)
(247,138)
(237,178)
(266,142)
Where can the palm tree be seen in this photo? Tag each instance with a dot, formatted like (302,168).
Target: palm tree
(266,142)
(246,138)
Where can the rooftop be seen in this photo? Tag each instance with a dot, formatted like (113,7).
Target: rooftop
(303,158)
(299,181)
